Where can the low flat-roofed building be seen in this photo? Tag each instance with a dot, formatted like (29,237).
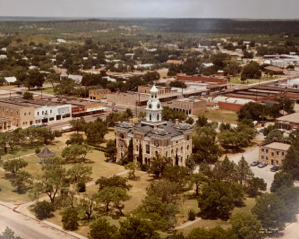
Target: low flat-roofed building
(147,88)
(189,106)
(288,122)
(276,70)
(273,153)
(176,62)
(98,94)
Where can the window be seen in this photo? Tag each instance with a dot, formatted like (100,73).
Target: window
(266,158)
(25,114)
(262,157)
(157,117)
(136,147)
(156,143)
(42,112)
(282,153)
(17,112)
(50,111)
(277,152)
(177,142)
(29,113)
(166,143)
(263,150)
(188,137)
(272,154)
(177,150)
(266,150)
(37,113)
(147,149)
(166,154)
(187,147)
(182,148)
(121,135)
(121,144)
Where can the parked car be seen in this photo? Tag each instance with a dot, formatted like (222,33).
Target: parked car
(114,109)
(255,163)
(222,90)
(262,130)
(261,165)
(274,169)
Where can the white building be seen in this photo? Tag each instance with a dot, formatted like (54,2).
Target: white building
(3,57)
(52,113)
(10,80)
(61,41)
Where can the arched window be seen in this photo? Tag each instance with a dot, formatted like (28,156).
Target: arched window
(182,148)
(166,143)
(121,135)
(121,144)
(157,117)
(187,147)
(181,159)
(177,150)
(166,154)
(188,137)
(172,151)
(136,147)
(156,152)
(150,117)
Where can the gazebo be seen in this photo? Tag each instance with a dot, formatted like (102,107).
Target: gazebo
(46,153)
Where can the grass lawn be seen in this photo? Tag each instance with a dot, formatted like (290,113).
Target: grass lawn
(49,90)
(7,193)
(208,224)
(236,80)
(218,115)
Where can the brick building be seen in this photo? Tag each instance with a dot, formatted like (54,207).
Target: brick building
(203,79)
(189,106)
(147,88)
(273,153)
(98,94)
(154,136)
(288,122)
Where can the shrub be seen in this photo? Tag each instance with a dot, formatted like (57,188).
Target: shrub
(81,187)
(191,215)
(144,167)
(70,219)
(43,209)
(27,95)
(37,150)
(57,133)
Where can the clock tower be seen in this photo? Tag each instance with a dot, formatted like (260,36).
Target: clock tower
(154,108)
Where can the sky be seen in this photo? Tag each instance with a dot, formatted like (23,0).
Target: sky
(261,9)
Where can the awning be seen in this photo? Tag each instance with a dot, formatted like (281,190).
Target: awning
(96,109)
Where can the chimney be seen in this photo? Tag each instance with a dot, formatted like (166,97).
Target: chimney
(176,121)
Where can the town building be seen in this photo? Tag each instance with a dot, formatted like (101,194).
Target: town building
(189,106)
(76,78)
(288,122)
(154,136)
(274,69)
(203,79)
(9,80)
(147,88)
(273,153)
(98,94)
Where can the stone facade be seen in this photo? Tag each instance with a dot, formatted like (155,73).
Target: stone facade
(189,106)
(98,94)
(155,136)
(273,153)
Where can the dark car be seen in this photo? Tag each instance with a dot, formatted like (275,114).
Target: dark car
(274,169)
(262,130)
(255,163)
(261,165)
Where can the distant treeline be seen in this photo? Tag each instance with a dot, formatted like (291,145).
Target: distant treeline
(227,26)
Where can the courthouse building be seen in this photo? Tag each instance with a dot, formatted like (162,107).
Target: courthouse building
(154,136)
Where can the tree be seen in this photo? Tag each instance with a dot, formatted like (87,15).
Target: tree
(76,153)
(270,210)
(110,149)
(134,227)
(177,174)
(274,135)
(169,114)
(214,233)
(252,71)
(281,179)
(88,204)
(189,120)
(14,165)
(251,110)
(168,192)
(132,167)
(66,87)
(43,209)
(244,172)
(159,164)
(178,84)
(246,226)
(232,68)
(102,229)
(162,215)
(52,181)
(255,185)
(119,195)
(34,78)
(76,139)
(290,163)
(95,131)
(70,219)
(28,95)
(198,179)
(78,124)
(9,234)
(269,128)
(130,151)
(114,181)
(141,114)
(205,146)
(79,173)
(216,200)
(22,181)
(202,120)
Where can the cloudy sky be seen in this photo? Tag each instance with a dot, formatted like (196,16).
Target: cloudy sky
(152,8)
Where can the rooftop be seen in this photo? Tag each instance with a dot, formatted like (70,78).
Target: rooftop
(291,118)
(277,145)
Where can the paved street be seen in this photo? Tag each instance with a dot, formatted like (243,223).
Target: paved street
(29,228)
